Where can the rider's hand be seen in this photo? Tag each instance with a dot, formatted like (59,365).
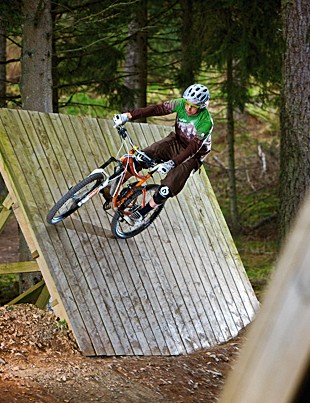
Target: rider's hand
(120,119)
(165,167)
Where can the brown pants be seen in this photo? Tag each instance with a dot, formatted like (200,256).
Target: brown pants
(167,149)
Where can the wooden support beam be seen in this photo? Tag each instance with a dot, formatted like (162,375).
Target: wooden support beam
(29,296)
(19,267)
(5,212)
(43,298)
(8,202)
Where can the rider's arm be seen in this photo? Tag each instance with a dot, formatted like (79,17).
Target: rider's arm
(154,110)
(193,149)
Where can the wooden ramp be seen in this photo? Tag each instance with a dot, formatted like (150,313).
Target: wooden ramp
(178,287)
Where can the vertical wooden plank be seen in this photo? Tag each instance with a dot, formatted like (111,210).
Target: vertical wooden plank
(192,244)
(78,241)
(275,357)
(234,273)
(118,288)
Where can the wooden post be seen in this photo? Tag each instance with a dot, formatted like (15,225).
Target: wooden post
(276,357)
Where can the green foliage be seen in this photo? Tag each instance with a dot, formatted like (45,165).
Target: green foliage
(62,324)
(248,33)
(258,258)
(11,16)
(84,105)
(88,40)
(9,287)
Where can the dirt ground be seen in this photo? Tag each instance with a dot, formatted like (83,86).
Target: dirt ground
(40,362)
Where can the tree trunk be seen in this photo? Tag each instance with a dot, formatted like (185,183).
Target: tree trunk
(136,57)
(295,112)
(234,215)
(36,80)
(2,64)
(191,49)
(55,75)
(186,70)
(3,189)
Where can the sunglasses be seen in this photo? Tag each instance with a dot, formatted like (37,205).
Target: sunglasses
(192,105)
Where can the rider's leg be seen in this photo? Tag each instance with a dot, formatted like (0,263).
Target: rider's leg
(160,197)
(165,149)
(170,187)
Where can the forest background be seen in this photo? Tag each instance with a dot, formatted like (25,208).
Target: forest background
(97,58)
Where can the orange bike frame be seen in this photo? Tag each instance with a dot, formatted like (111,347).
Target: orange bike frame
(129,167)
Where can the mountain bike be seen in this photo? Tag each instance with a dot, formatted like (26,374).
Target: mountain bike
(125,197)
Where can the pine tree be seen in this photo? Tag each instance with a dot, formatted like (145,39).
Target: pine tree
(241,41)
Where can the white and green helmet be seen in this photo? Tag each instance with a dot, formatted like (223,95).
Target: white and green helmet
(198,94)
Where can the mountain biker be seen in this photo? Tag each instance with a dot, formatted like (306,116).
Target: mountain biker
(183,150)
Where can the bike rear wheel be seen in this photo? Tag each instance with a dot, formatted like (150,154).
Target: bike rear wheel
(68,203)
(120,227)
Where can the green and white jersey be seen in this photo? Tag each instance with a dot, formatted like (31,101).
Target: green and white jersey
(189,128)
(193,132)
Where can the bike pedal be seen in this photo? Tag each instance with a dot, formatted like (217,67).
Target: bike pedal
(107,205)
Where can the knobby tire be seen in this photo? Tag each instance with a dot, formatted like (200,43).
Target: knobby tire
(68,203)
(120,228)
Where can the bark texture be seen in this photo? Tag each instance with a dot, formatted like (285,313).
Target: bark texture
(2,64)
(36,82)
(295,112)
(136,57)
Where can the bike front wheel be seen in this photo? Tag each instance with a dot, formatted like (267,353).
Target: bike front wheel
(69,203)
(121,226)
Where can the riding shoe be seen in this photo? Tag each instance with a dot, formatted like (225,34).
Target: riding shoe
(106,193)
(108,198)
(136,217)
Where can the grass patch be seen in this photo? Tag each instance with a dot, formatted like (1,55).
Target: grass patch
(258,257)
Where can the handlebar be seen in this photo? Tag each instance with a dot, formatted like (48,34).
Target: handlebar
(144,158)
(150,163)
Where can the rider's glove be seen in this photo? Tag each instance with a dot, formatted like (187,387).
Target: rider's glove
(165,167)
(120,119)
